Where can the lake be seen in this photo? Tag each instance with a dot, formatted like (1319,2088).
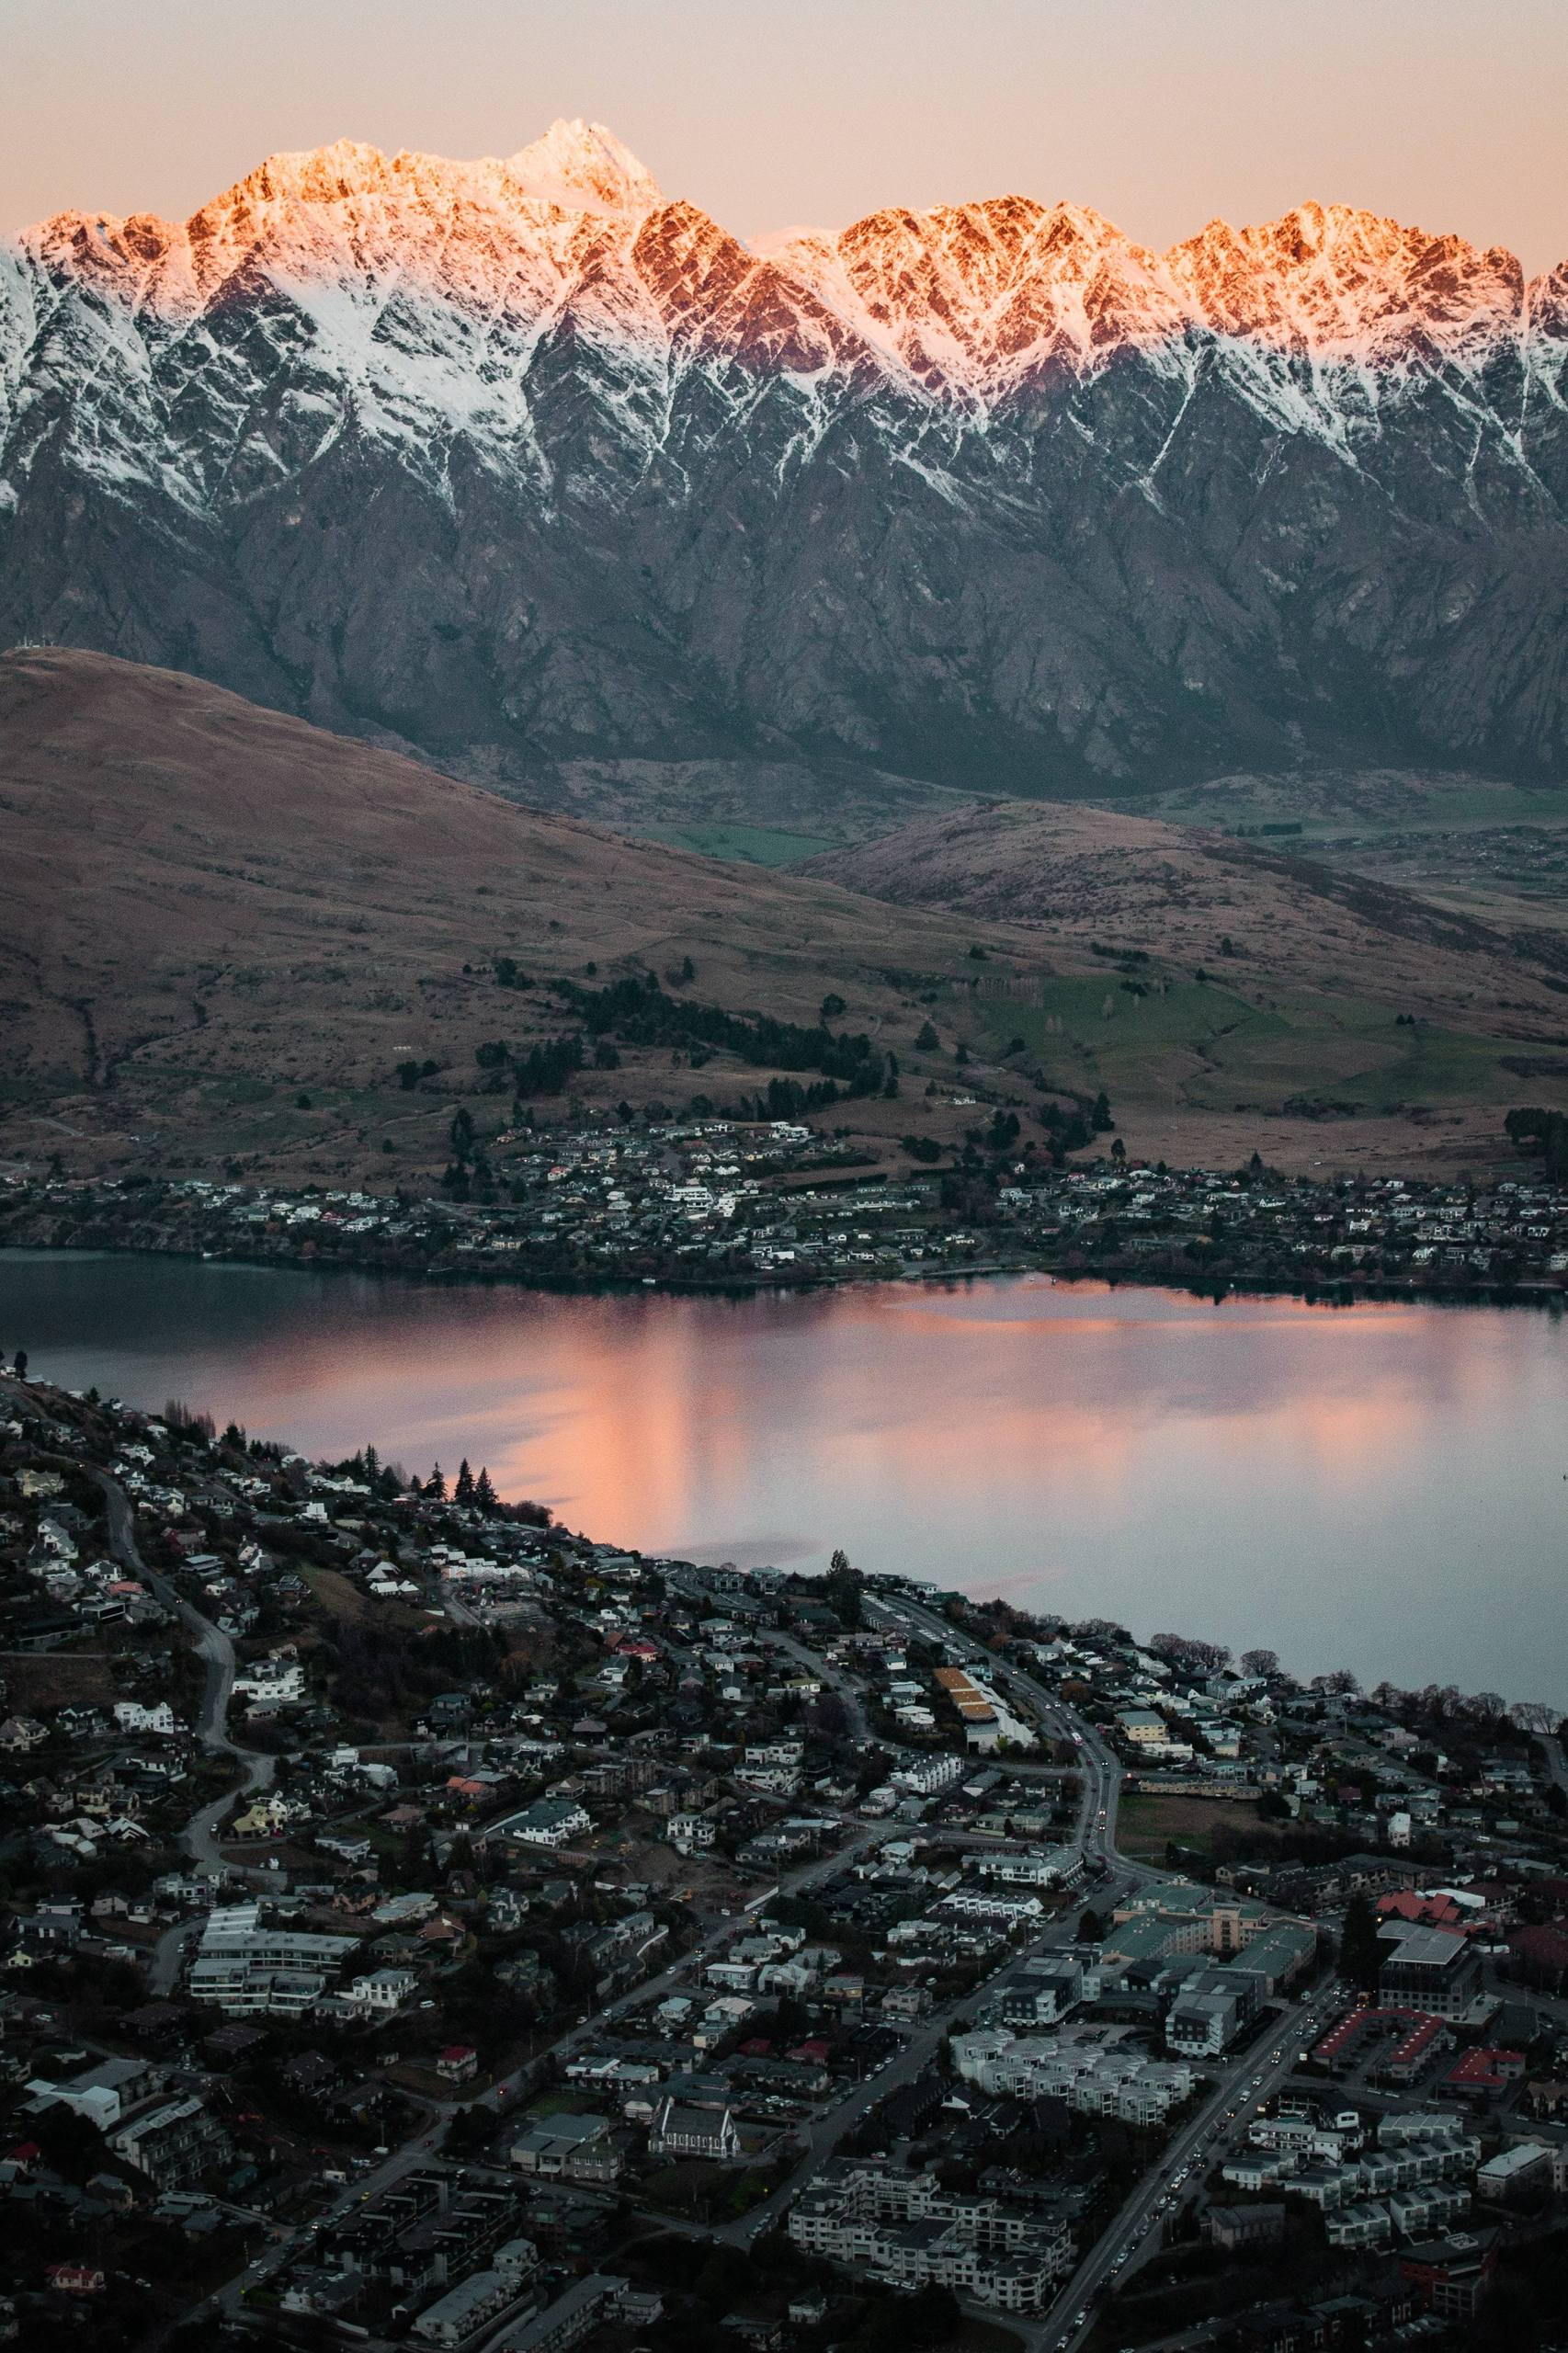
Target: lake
(1382,1486)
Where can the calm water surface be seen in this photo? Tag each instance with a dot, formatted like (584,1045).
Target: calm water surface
(1381,1486)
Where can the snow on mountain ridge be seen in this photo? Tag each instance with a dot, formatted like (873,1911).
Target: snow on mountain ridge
(966,301)
(576,167)
(1332,280)
(497,453)
(411,299)
(580,160)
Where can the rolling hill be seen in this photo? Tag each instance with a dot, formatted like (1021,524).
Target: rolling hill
(1241,980)
(1179,893)
(208,909)
(225,936)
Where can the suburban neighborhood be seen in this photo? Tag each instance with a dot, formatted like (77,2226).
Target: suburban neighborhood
(423,1923)
(710,1202)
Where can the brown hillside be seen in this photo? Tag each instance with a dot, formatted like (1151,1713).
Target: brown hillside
(205,906)
(222,930)
(1085,874)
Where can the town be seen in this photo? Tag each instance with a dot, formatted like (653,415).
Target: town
(708,1202)
(424,1925)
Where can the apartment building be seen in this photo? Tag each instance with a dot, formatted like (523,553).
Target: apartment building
(906,2229)
(245,1968)
(1096,2076)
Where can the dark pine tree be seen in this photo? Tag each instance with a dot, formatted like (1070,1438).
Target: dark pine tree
(1360,1954)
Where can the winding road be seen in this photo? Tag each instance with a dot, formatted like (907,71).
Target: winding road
(1136,2229)
(216,1653)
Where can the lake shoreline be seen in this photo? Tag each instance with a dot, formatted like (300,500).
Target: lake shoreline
(1337,1290)
(1079,1445)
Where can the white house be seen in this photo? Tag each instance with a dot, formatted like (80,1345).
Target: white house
(549,1821)
(383,1991)
(132,1716)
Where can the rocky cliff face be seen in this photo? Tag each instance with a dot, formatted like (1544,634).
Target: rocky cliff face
(516,462)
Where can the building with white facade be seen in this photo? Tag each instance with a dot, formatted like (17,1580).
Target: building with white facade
(246,1969)
(906,2229)
(1097,2074)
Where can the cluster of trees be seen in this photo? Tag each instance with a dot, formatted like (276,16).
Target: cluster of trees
(543,1070)
(259,1449)
(381,1672)
(1360,1954)
(479,1493)
(842,1588)
(786,1098)
(474,1490)
(1189,1655)
(474,1493)
(183,1421)
(1534,1130)
(1442,1709)
(637,1011)
(1071,1129)
(386,1480)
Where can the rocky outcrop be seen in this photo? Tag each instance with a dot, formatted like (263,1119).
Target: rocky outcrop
(516,462)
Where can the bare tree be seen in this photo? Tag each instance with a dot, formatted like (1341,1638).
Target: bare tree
(1535,1716)
(1265,1662)
(1190,1654)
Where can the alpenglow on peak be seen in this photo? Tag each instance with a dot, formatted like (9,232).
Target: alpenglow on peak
(584,167)
(507,455)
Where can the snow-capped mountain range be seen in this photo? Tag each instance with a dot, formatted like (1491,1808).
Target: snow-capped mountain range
(518,461)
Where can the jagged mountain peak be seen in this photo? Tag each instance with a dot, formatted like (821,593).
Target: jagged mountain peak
(967,300)
(314,175)
(582,165)
(1342,281)
(480,453)
(296,197)
(576,167)
(973,298)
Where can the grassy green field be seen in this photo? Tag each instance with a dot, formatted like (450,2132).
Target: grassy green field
(1147,1820)
(1204,1045)
(1466,806)
(744,844)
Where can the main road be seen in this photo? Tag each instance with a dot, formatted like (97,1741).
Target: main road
(1248,2080)
(1249,2077)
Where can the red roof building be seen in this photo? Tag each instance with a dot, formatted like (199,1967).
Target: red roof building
(1482,2073)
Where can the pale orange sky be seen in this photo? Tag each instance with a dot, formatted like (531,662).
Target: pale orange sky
(769,113)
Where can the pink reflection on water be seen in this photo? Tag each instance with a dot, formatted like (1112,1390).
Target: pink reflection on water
(1383,1485)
